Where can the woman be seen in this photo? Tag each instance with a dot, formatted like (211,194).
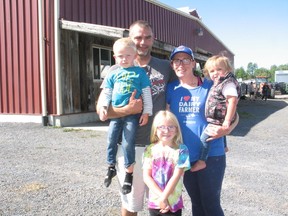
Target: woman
(186,98)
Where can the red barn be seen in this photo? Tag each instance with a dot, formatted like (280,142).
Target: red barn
(54,53)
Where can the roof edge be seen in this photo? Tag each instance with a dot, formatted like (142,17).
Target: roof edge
(175,10)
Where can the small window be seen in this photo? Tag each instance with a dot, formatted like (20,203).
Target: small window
(102,61)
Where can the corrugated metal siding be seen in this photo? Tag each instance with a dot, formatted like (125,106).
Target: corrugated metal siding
(20,91)
(169,27)
(20,83)
(121,13)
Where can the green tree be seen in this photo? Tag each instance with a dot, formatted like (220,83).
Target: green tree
(251,68)
(273,68)
(241,73)
(253,71)
(264,72)
(283,67)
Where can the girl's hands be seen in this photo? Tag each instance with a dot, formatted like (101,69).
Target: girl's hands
(164,205)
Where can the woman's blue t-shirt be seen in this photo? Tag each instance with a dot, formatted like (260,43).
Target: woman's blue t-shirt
(188,104)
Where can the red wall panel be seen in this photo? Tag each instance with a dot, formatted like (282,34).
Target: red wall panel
(20,90)
(19,61)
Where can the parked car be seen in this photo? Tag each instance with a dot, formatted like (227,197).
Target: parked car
(282,87)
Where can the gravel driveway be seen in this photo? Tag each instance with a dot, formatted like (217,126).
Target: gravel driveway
(60,171)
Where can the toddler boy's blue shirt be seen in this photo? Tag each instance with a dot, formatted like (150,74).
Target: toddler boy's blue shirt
(124,81)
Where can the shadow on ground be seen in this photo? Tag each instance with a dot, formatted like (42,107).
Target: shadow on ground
(253,112)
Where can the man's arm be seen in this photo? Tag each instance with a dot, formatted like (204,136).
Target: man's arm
(134,107)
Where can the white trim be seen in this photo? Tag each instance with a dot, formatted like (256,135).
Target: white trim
(21,118)
(106,31)
(73,119)
(42,59)
(57,59)
(60,121)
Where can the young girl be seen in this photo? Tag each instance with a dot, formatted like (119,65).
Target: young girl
(165,161)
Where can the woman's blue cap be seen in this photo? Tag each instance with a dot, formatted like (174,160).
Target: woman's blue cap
(182,49)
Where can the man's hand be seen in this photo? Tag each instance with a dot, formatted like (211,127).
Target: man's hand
(103,114)
(135,106)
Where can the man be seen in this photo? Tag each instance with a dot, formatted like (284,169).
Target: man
(265,91)
(251,91)
(160,73)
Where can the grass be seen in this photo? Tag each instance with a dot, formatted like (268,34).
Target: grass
(245,115)
(71,130)
(32,187)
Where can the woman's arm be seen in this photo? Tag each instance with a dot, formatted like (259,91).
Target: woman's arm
(134,107)
(216,131)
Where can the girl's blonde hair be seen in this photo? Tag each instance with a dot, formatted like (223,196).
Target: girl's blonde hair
(217,60)
(158,119)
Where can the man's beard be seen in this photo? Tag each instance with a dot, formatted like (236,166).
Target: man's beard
(141,53)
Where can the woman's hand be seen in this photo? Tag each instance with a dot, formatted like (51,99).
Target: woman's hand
(216,131)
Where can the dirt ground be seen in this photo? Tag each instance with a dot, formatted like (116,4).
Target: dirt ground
(60,171)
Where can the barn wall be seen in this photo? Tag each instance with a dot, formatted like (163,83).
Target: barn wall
(20,78)
(20,85)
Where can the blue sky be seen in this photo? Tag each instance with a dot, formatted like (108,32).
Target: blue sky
(254,30)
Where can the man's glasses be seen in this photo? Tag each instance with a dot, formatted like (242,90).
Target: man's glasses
(177,62)
(164,128)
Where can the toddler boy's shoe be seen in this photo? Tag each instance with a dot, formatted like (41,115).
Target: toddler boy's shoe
(127,185)
(110,174)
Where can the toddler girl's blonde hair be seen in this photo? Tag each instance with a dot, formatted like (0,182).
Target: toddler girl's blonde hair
(217,60)
(171,118)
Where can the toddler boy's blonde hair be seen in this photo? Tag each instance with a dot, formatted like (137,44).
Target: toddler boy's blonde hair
(124,42)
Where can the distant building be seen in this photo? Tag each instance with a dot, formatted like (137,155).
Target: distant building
(281,76)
